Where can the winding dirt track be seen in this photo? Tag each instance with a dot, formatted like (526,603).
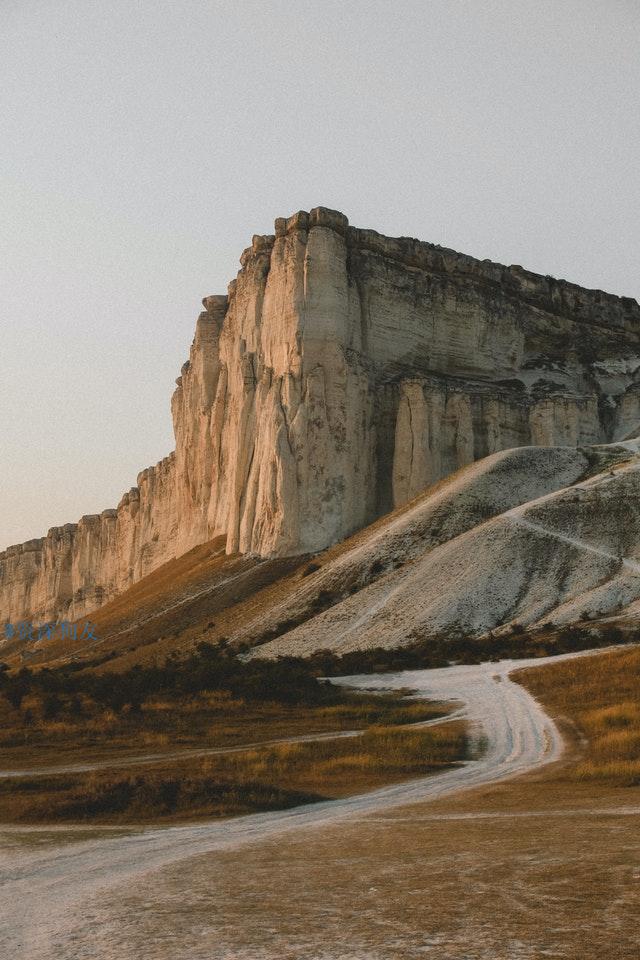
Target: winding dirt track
(47,875)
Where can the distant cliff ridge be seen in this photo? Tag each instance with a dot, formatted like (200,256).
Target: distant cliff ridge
(343,372)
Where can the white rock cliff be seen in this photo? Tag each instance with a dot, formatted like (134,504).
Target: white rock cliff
(343,373)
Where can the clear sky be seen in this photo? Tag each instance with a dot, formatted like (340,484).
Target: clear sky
(145,141)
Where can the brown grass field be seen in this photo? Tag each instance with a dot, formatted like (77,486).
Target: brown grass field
(86,731)
(600,695)
(263,778)
(543,867)
(157,761)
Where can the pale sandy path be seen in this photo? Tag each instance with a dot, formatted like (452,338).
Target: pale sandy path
(47,876)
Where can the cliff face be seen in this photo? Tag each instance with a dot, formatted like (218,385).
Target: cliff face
(343,373)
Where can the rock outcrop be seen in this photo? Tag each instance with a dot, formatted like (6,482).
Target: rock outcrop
(343,372)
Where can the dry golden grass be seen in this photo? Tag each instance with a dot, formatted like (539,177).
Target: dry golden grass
(28,738)
(600,694)
(539,866)
(268,778)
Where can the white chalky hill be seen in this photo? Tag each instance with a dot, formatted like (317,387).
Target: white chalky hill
(530,536)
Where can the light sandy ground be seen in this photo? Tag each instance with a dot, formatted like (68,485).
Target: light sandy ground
(54,881)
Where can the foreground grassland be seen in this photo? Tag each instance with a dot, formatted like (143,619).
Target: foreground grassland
(265,778)
(207,698)
(83,728)
(145,740)
(516,871)
(541,866)
(600,695)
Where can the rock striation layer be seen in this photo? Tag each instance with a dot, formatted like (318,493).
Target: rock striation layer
(343,372)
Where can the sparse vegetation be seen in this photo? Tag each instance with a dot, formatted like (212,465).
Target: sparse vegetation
(601,695)
(208,668)
(211,699)
(429,652)
(270,778)
(208,698)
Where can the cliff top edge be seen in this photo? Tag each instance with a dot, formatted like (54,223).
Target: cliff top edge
(421,253)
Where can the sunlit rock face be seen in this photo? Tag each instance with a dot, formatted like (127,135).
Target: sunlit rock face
(344,372)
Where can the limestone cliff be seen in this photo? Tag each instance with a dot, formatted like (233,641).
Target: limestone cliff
(343,372)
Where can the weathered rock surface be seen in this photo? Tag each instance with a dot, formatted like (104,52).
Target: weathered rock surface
(343,372)
(529,536)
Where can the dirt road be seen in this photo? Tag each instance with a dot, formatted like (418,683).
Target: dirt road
(50,879)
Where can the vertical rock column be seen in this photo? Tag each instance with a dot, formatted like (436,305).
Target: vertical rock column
(191,408)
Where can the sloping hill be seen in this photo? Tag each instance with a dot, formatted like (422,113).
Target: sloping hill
(527,536)
(202,595)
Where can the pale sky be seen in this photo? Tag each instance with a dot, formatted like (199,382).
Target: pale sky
(145,141)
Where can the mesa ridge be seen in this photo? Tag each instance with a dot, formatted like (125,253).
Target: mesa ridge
(342,373)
